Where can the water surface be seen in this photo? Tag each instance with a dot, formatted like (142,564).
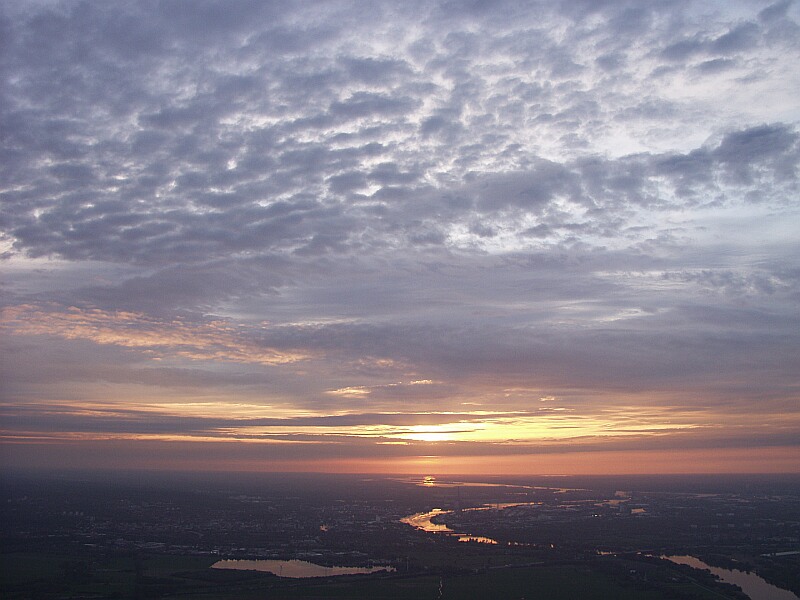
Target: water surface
(752,585)
(295,569)
(424,521)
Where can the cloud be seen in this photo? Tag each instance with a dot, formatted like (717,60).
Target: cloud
(209,340)
(765,155)
(312,205)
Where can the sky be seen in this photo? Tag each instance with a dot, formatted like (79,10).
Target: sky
(414,237)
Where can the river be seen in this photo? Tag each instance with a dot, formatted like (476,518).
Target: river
(752,585)
(424,521)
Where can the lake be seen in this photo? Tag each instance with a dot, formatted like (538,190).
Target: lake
(295,569)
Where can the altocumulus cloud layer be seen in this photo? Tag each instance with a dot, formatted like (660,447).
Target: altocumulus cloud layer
(348,230)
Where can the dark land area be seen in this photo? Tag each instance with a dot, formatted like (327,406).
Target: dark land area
(156,535)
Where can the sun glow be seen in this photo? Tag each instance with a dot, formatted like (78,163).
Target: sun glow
(448,432)
(429,436)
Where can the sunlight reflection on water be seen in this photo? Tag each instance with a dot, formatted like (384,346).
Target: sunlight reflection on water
(752,585)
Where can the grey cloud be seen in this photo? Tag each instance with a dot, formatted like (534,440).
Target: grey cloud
(774,146)
(541,231)
(478,195)
(375,71)
(482,230)
(441,125)
(741,37)
(365,104)
(716,65)
(610,62)
(267,161)
(531,191)
(186,287)
(347,182)
(109,229)
(205,20)
(284,40)
(55,418)
(735,284)
(775,11)
(688,170)
(683,49)
(390,174)
(632,20)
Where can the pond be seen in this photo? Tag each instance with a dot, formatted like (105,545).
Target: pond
(752,585)
(295,569)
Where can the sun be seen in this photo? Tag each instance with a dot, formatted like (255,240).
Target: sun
(430,436)
(433,433)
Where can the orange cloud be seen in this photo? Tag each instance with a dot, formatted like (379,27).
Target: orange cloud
(210,340)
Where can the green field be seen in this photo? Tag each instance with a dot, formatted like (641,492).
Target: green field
(107,575)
